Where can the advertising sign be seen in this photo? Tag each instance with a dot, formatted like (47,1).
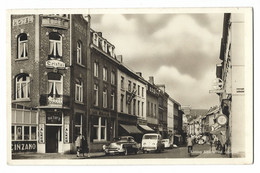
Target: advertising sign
(22,146)
(23,21)
(222,119)
(55,64)
(66,133)
(41,133)
(54,118)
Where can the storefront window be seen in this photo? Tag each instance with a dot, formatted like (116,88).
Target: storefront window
(19,133)
(99,128)
(12,132)
(33,133)
(26,133)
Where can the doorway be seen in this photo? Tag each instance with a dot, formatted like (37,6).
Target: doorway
(52,138)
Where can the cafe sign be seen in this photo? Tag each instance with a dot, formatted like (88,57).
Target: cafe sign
(54,118)
(22,146)
(222,119)
(55,64)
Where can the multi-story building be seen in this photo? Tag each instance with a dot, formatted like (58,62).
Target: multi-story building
(231,83)
(152,105)
(103,83)
(131,91)
(162,103)
(170,119)
(49,81)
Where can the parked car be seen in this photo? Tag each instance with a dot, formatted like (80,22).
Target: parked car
(152,142)
(167,143)
(122,145)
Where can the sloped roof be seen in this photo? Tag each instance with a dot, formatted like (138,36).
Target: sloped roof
(198,112)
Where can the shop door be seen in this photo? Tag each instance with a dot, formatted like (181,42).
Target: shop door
(52,133)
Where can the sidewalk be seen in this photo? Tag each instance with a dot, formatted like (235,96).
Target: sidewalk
(55,156)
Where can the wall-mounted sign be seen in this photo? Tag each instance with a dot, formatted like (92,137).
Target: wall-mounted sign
(222,119)
(41,133)
(217,86)
(55,64)
(22,146)
(55,101)
(23,21)
(66,133)
(54,118)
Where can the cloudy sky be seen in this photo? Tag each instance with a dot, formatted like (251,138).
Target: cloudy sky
(179,50)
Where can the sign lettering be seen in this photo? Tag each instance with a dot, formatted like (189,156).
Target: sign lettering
(21,146)
(55,64)
(41,133)
(54,118)
(66,133)
(23,21)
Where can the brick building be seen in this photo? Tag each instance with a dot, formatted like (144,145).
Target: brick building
(49,81)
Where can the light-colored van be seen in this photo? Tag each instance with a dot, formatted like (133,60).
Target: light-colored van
(152,142)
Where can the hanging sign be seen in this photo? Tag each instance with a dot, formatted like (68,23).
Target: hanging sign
(66,133)
(222,119)
(55,64)
(41,133)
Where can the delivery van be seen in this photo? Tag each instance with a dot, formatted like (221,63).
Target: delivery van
(152,142)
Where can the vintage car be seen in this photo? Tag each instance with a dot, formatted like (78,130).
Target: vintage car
(122,145)
(152,142)
(167,143)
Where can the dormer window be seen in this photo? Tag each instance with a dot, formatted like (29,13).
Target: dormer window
(55,40)
(95,39)
(104,46)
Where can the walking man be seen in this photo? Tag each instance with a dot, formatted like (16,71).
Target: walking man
(78,144)
(189,144)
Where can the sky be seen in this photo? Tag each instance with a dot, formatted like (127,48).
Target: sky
(178,50)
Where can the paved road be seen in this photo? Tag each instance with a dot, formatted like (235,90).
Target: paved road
(180,152)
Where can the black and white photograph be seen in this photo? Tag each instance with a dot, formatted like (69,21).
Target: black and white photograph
(92,86)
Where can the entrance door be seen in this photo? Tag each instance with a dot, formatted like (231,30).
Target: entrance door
(52,138)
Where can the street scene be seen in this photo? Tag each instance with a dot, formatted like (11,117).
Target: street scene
(127,86)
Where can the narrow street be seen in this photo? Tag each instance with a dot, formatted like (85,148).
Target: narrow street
(180,152)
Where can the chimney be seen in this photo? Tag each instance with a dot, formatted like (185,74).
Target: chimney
(151,79)
(119,58)
(139,74)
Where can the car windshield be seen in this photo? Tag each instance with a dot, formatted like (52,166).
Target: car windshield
(150,137)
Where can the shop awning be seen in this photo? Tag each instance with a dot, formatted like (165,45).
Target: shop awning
(146,128)
(131,129)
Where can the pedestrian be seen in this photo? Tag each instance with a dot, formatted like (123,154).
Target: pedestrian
(85,148)
(189,144)
(78,144)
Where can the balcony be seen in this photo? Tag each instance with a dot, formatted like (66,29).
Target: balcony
(60,21)
(54,101)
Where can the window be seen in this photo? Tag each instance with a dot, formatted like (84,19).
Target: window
(129,105)
(78,124)
(129,86)
(79,91)
(122,103)
(95,69)
(55,88)
(22,43)
(26,130)
(148,108)
(104,73)
(138,90)
(142,91)
(104,98)
(142,108)
(21,132)
(113,78)
(138,108)
(134,107)
(95,95)
(22,89)
(154,110)
(99,129)
(79,52)
(151,109)
(134,86)
(112,101)
(122,82)
(55,45)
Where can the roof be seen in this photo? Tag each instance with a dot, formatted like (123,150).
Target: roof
(198,112)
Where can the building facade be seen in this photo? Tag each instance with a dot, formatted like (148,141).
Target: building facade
(170,119)
(230,75)
(49,92)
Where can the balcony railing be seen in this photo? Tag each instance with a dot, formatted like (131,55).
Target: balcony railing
(55,101)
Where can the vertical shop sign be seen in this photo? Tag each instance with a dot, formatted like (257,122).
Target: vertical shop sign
(66,133)
(41,133)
